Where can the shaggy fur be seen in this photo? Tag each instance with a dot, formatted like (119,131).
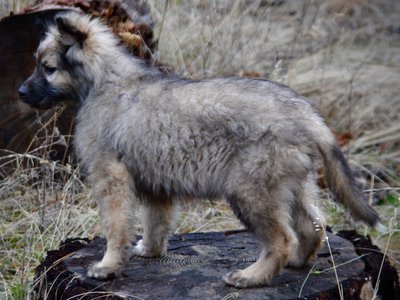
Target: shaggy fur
(147,139)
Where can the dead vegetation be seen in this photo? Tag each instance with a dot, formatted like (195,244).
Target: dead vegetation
(344,55)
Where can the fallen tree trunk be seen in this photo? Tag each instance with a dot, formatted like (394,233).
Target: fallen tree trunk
(196,263)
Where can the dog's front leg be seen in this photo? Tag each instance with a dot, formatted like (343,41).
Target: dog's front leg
(113,189)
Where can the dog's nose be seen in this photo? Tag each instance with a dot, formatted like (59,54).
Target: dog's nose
(23,91)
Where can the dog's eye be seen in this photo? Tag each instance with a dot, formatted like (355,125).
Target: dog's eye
(49,70)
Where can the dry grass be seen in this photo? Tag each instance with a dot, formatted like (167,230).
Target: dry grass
(7,6)
(344,55)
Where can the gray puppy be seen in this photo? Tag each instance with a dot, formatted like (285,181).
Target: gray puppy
(145,138)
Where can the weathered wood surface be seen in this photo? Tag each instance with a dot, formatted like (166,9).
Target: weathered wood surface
(196,263)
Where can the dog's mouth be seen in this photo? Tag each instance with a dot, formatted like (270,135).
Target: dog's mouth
(34,100)
(41,104)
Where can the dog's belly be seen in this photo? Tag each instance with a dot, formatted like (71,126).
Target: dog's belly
(201,173)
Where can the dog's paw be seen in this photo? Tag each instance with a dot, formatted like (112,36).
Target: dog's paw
(139,249)
(237,279)
(241,279)
(102,272)
(142,250)
(296,263)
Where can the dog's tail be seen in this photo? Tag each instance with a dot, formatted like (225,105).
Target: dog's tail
(342,183)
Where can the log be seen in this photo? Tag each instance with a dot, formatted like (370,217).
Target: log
(196,262)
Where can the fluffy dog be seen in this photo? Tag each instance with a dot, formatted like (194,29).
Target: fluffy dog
(148,139)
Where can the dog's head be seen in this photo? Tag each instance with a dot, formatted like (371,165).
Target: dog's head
(69,61)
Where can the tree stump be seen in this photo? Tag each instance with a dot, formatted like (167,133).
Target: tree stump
(196,263)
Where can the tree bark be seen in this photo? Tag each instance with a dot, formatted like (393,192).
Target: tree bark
(196,263)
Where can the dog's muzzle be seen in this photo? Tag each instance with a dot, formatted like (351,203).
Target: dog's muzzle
(23,91)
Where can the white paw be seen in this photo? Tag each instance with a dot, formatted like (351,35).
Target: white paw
(297,262)
(241,279)
(236,279)
(139,249)
(144,251)
(99,271)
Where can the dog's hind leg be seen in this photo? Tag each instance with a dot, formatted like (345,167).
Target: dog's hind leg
(112,187)
(158,220)
(307,223)
(266,214)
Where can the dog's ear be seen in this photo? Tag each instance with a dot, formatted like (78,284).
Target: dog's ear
(71,33)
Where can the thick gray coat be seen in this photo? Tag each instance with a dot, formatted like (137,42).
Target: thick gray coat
(145,138)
